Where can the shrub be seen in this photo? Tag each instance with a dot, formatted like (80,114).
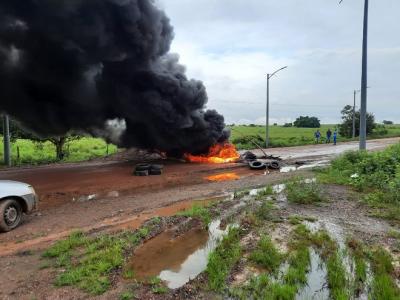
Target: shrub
(302,191)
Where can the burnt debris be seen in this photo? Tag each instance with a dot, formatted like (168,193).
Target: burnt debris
(74,65)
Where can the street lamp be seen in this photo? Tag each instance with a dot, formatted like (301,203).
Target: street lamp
(269,76)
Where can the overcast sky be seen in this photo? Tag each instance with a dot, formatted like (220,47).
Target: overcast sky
(231,44)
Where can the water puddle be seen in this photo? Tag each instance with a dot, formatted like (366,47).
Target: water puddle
(176,260)
(293,168)
(316,287)
(166,211)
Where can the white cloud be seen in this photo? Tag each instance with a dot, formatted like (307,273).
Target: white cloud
(231,45)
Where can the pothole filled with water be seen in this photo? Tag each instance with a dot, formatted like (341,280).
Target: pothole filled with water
(177,260)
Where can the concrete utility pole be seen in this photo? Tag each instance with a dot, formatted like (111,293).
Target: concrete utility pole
(6,138)
(364,82)
(269,76)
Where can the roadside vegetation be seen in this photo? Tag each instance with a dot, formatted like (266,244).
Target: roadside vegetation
(281,136)
(25,151)
(303,191)
(87,262)
(376,175)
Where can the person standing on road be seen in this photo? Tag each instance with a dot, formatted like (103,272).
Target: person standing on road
(328,136)
(317,136)
(335,137)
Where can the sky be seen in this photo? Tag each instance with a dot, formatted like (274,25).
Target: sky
(231,45)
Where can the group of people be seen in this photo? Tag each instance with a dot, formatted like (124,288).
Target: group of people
(329,135)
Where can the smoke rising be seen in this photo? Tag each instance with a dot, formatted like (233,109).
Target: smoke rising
(76,64)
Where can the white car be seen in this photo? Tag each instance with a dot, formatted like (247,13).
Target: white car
(16,198)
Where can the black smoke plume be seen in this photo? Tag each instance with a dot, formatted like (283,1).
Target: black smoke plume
(75,64)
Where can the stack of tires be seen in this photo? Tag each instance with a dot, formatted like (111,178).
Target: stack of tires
(148,169)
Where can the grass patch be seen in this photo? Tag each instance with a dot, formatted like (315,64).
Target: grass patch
(222,259)
(265,211)
(265,192)
(337,280)
(127,296)
(88,261)
(34,153)
(358,254)
(157,286)
(198,211)
(267,255)
(292,136)
(300,191)
(383,285)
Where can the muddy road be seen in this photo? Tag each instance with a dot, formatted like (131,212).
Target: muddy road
(98,195)
(104,197)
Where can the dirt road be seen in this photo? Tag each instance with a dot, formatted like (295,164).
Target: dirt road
(93,196)
(119,200)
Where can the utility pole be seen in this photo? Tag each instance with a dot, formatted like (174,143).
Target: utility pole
(354,115)
(6,138)
(364,82)
(269,76)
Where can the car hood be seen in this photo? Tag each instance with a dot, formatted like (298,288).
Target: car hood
(13,188)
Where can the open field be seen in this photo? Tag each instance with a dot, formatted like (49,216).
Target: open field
(33,153)
(292,136)
(248,238)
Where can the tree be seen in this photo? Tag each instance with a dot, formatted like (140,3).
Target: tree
(288,125)
(386,122)
(307,122)
(59,142)
(346,128)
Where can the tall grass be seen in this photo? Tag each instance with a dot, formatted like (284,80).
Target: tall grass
(33,153)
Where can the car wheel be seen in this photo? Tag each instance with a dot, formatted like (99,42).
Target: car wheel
(11,214)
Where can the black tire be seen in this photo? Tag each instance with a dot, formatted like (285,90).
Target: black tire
(141,173)
(257,165)
(275,165)
(11,214)
(156,167)
(142,167)
(155,172)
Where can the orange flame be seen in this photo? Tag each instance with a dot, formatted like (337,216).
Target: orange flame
(223,177)
(218,154)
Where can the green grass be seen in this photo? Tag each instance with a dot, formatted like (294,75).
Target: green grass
(374,174)
(299,191)
(88,261)
(267,255)
(357,252)
(222,259)
(198,211)
(291,136)
(383,285)
(127,296)
(265,192)
(337,280)
(41,153)
(157,286)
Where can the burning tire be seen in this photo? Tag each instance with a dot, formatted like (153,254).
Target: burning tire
(257,165)
(10,214)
